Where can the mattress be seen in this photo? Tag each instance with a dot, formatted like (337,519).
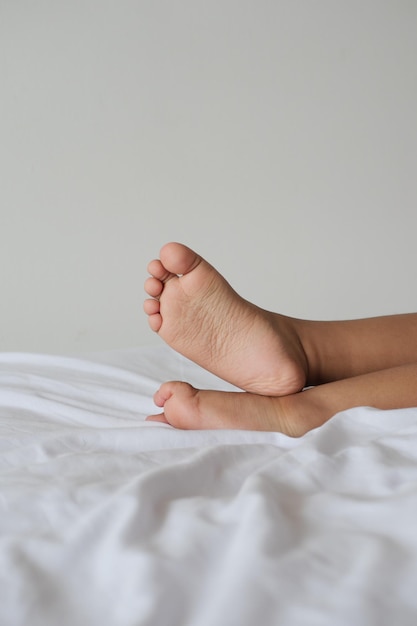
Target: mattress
(106,519)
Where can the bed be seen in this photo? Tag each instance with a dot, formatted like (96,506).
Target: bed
(110,520)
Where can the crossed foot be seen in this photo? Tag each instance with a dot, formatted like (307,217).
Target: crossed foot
(196,312)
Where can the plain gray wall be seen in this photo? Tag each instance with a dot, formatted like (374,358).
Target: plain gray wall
(277,138)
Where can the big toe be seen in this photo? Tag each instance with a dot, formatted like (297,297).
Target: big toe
(179,259)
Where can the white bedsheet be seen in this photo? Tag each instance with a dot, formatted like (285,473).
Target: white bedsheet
(108,520)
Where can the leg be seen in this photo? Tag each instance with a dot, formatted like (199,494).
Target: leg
(196,312)
(341,349)
(188,408)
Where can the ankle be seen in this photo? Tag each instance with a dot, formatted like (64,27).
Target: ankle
(293,414)
(304,411)
(294,329)
(305,332)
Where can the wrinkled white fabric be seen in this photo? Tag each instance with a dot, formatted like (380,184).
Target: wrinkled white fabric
(106,519)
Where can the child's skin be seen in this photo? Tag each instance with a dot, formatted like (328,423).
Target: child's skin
(272,357)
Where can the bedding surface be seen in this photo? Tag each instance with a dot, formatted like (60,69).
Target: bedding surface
(106,519)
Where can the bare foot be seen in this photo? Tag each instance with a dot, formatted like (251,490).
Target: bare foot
(195,310)
(188,408)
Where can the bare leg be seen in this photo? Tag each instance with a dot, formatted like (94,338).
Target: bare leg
(341,349)
(189,408)
(197,312)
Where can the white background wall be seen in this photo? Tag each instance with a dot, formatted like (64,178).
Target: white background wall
(277,138)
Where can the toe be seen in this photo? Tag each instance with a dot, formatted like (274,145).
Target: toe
(155,322)
(159,397)
(179,259)
(156,269)
(165,392)
(153,287)
(159,417)
(151,306)
(178,400)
